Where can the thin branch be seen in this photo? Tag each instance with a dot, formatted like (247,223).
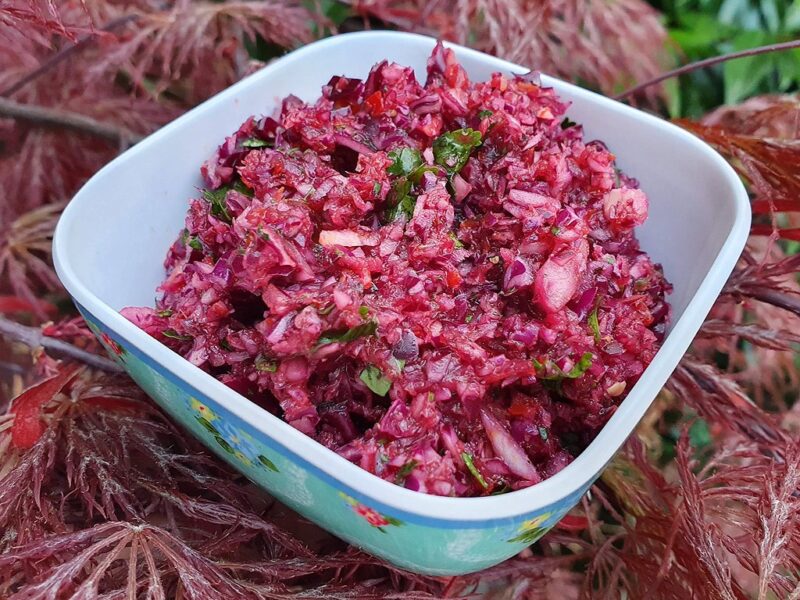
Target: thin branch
(51,117)
(62,55)
(34,338)
(708,62)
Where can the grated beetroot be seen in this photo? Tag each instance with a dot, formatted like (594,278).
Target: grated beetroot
(441,283)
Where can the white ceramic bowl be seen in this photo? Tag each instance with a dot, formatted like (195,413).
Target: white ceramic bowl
(111,241)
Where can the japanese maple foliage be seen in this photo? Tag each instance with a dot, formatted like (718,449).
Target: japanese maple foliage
(101,496)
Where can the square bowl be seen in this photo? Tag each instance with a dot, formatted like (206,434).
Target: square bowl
(112,238)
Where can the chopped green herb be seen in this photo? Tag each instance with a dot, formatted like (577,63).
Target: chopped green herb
(406,470)
(347,335)
(400,200)
(265,365)
(240,187)
(256,143)
(405,208)
(458,243)
(567,123)
(195,243)
(363,311)
(467,458)
(217,200)
(376,188)
(225,345)
(327,310)
(555,230)
(555,372)
(167,312)
(469,318)
(262,234)
(501,490)
(373,378)
(404,161)
(641,284)
(595,325)
(174,335)
(581,367)
(485,113)
(452,149)
(543,433)
(431,396)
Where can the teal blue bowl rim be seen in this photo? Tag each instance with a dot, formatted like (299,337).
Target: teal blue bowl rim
(568,500)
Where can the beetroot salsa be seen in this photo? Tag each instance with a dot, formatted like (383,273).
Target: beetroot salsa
(439,282)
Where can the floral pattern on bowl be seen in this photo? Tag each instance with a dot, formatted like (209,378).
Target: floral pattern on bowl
(237,443)
(370,515)
(422,545)
(532,529)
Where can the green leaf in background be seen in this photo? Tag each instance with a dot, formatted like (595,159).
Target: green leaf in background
(788,66)
(743,76)
(698,33)
(699,434)
(706,28)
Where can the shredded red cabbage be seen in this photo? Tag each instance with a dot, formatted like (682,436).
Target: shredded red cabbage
(441,283)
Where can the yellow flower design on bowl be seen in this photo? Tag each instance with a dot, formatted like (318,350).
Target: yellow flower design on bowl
(202,410)
(532,529)
(230,438)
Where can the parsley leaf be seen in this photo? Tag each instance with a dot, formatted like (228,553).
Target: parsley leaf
(195,243)
(373,378)
(174,335)
(256,143)
(265,365)
(240,187)
(485,113)
(405,208)
(167,312)
(217,200)
(567,123)
(347,335)
(452,149)
(457,242)
(404,161)
(595,325)
(467,458)
(575,372)
(406,470)
(581,366)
